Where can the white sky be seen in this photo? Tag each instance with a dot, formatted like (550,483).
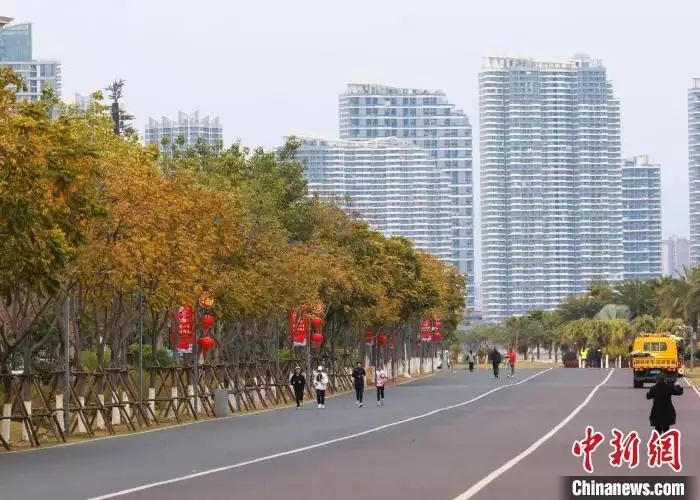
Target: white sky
(270,67)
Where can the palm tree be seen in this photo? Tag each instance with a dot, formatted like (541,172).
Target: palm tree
(637,295)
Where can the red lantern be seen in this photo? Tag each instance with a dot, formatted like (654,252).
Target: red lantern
(317,339)
(381,340)
(437,337)
(207,321)
(317,323)
(438,326)
(369,338)
(206,343)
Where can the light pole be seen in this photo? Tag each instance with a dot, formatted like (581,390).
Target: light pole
(66,372)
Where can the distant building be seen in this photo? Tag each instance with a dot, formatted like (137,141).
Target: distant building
(430,121)
(641,218)
(188,126)
(16,53)
(391,184)
(675,256)
(694,169)
(551,208)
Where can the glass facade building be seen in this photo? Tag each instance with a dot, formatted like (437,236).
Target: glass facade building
(16,53)
(428,120)
(694,169)
(391,184)
(188,126)
(641,218)
(675,255)
(551,208)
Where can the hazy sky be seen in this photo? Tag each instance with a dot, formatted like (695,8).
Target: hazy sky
(268,68)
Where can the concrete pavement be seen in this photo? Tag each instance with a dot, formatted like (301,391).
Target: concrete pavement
(432,440)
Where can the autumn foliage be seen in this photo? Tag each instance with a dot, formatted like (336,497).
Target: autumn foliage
(93,218)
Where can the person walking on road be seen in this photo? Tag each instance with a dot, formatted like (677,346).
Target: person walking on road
(511,362)
(470,360)
(320,383)
(663,414)
(298,382)
(495,361)
(358,375)
(380,378)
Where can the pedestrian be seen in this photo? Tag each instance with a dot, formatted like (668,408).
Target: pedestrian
(663,414)
(470,360)
(511,362)
(380,377)
(321,382)
(495,361)
(358,375)
(298,382)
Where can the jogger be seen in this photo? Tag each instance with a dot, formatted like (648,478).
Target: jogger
(470,360)
(320,383)
(380,377)
(358,375)
(298,382)
(495,361)
(511,362)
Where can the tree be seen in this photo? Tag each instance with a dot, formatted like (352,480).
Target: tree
(122,120)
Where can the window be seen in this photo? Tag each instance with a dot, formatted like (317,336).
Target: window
(654,346)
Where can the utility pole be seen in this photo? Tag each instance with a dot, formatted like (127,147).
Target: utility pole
(140,339)
(195,353)
(66,371)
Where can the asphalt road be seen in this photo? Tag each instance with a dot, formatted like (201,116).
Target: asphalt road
(436,438)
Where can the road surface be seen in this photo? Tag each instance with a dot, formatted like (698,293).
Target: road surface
(444,437)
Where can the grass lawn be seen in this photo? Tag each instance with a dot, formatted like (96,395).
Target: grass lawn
(694,375)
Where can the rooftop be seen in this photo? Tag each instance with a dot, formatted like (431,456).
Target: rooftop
(4,21)
(578,61)
(378,89)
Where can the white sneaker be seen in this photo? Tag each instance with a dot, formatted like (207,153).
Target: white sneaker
(323,406)
(360,405)
(319,406)
(379,403)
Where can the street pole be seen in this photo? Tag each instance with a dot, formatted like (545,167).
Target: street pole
(195,351)
(140,340)
(66,372)
(692,348)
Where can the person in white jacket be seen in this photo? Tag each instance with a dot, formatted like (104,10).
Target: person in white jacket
(320,383)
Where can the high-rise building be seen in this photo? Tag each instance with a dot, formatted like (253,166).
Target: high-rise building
(16,54)
(551,208)
(675,255)
(641,218)
(189,127)
(391,184)
(430,121)
(694,169)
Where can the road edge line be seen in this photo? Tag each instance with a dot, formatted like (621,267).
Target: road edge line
(692,386)
(309,447)
(485,481)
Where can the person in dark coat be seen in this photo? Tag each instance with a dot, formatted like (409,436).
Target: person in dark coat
(663,414)
(358,375)
(298,382)
(495,361)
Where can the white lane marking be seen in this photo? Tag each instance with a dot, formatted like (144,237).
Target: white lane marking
(310,447)
(476,488)
(692,386)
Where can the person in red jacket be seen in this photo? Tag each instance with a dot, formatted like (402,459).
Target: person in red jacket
(511,362)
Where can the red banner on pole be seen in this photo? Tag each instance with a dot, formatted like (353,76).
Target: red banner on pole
(298,328)
(185,328)
(426,330)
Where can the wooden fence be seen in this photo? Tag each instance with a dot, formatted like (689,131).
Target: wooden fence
(108,401)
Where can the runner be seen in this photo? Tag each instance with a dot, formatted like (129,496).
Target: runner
(495,361)
(511,362)
(321,382)
(470,360)
(298,382)
(663,414)
(358,375)
(380,377)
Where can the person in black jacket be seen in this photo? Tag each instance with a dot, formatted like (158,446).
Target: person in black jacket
(495,361)
(358,375)
(663,414)
(298,382)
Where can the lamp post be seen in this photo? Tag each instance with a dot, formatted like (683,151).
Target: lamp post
(66,372)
